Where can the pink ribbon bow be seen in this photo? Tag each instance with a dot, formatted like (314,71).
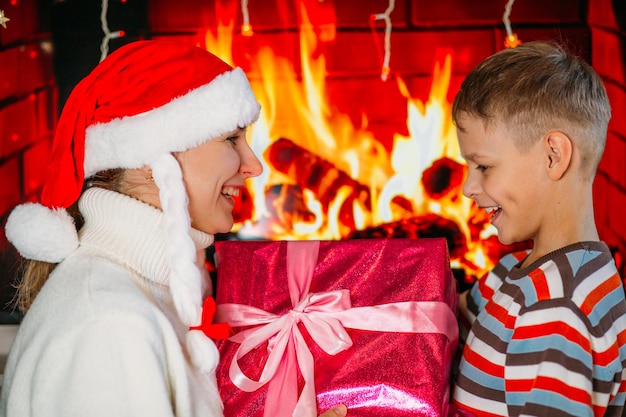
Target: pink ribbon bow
(325,315)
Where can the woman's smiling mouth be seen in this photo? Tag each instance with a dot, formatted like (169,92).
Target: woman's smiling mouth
(230,192)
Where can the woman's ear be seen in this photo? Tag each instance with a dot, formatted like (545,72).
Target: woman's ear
(147,173)
(559,154)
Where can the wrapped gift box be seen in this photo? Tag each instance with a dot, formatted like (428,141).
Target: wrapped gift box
(394,300)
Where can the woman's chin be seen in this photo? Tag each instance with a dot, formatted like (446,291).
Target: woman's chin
(213,229)
(225,228)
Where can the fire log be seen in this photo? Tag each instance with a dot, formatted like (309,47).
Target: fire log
(323,178)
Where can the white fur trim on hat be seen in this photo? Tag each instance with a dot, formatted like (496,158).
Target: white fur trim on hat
(40,233)
(209,111)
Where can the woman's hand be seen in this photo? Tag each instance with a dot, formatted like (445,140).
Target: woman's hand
(337,411)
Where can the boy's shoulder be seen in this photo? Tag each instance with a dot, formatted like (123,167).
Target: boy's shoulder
(510,260)
(581,260)
(576,255)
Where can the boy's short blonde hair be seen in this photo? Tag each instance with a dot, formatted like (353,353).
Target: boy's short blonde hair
(535,88)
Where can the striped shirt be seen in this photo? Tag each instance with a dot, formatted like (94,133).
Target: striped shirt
(548,339)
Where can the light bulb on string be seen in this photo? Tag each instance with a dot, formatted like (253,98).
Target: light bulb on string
(246,27)
(511,40)
(3,19)
(108,35)
(386,69)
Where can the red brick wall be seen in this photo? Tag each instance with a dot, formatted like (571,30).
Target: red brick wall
(27,117)
(607,20)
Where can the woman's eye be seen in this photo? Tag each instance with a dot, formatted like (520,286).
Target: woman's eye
(481,168)
(232,139)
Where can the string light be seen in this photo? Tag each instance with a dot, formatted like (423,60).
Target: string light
(3,19)
(511,40)
(246,28)
(385,16)
(104,46)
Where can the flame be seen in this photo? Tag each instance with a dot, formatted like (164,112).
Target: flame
(360,184)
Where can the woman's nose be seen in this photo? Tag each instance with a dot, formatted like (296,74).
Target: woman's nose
(250,164)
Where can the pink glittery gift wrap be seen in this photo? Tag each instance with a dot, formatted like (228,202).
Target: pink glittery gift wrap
(383,373)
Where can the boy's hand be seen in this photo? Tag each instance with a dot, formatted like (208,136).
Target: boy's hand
(337,411)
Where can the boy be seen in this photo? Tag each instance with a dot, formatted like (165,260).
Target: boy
(548,333)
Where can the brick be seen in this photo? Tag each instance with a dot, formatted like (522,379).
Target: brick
(281,14)
(609,200)
(412,53)
(35,68)
(359,53)
(35,165)
(351,14)
(47,111)
(9,72)
(10,192)
(601,14)
(184,14)
(607,49)
(617,97)
(18,126)
(601,203)
(612,163)
(489,12)
(24,23)
(268,15)
(617,245)
(617,220)
(24,68)
(193,15)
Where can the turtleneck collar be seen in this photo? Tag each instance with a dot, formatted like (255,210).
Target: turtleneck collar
(129,230)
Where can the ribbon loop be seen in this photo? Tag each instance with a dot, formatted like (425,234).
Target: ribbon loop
(328,333)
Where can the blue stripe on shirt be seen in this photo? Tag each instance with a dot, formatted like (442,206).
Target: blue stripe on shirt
(580,257)
(607,302)
(549,399)
(551,341)
(482,378)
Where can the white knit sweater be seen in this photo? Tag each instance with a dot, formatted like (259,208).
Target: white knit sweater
(102,338)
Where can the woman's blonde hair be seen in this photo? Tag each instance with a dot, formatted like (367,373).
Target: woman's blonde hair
(36,273)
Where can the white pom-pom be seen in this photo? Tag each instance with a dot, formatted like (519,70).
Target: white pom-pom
(202,350)
(41,233)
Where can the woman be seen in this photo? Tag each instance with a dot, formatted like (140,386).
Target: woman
(149,151)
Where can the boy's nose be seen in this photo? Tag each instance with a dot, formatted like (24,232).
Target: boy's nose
(471,187)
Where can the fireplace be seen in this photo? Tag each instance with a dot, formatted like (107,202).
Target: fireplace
(355,132)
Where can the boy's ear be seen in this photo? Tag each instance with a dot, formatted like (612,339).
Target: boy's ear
(559,153)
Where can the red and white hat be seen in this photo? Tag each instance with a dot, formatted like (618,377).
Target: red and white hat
(145,101)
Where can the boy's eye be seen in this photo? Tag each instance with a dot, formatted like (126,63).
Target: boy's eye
(481,168)
(232,139)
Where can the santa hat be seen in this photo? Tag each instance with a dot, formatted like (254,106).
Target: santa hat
(145,101)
